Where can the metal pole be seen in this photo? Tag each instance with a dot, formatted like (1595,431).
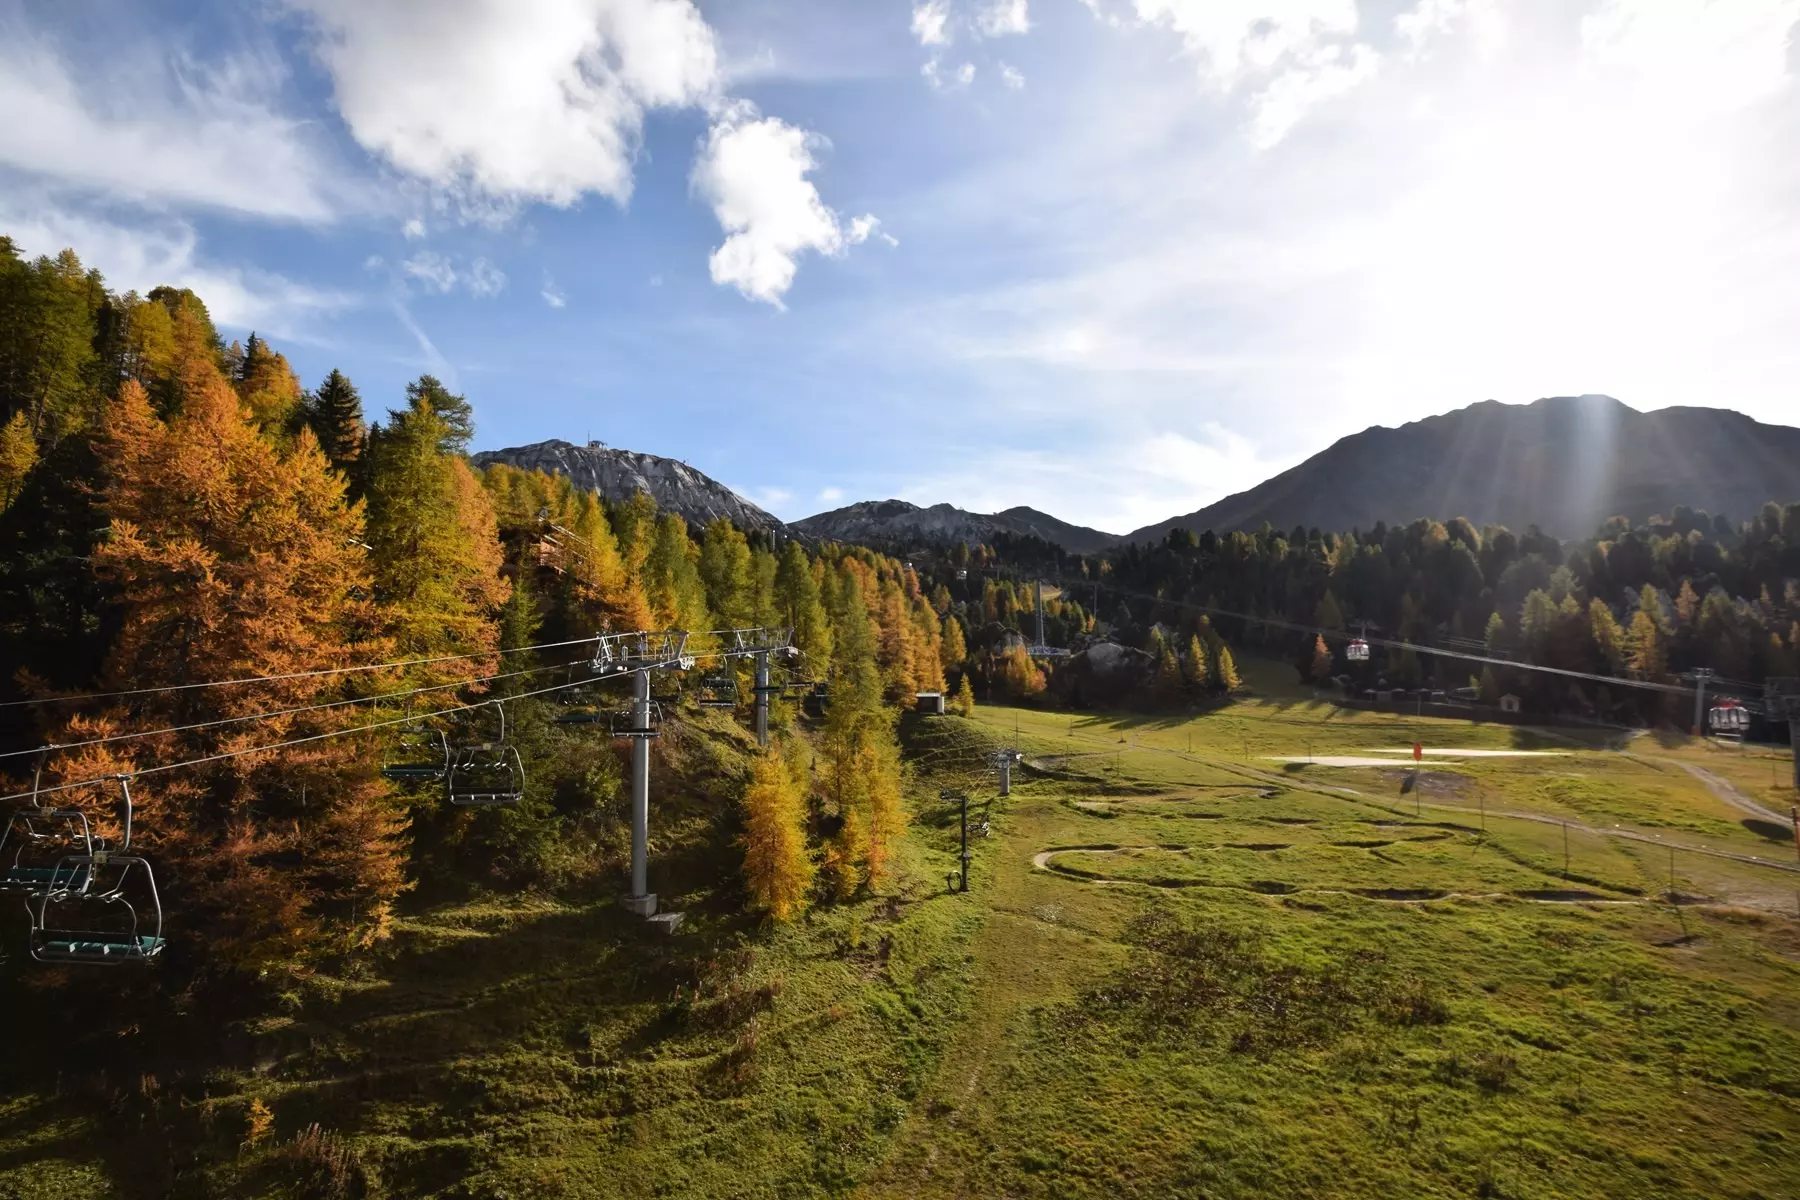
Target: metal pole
(965,842)
(1006,775)
(1701,675)
(640,898)
(762,699)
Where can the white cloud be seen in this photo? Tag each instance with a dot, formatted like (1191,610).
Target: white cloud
(830,495)
(931,22)
(439,273)
(1012,76)
(934,74)
(553,295)
(1003,17)
(430,357)
(140,257)
(863,228)
(1320,75)
(164,129)
(753,171)
(485,279)
(433,271)
(413,230)
(1603,205)
(1301,52)
(1714,56)
(513,100)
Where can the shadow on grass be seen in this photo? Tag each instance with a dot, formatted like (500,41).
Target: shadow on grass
(1774,831)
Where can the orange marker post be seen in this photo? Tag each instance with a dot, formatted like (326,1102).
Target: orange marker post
(1418,752)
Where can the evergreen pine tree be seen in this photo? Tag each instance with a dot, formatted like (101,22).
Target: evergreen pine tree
(336,418)
(456,416)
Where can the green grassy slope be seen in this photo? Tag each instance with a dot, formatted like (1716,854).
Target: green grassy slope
(1183,969)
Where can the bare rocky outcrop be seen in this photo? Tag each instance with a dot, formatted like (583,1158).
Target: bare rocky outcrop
(617,474)
(890,522)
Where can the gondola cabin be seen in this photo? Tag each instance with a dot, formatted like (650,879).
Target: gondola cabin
(1358,651)
(1729,718)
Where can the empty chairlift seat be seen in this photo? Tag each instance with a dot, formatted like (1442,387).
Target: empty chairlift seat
(36,850)
(101,907)
(487,773)
(718,690)
(418,755)
(115,919)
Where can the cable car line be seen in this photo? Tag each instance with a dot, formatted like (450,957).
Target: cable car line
(285,712)
(316,737)
(1392,644)
(183,687)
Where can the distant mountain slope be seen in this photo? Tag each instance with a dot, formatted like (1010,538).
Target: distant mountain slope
(1564,464)
(616,474)
(885,521)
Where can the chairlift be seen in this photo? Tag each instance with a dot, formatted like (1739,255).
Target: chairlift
(487,773)
(35,841)
(718,690)
(420,753)
(103,909)
(625,723)
(1358,651)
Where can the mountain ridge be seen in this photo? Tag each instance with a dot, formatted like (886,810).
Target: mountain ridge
(902,521)
(617,474)
(1563,463)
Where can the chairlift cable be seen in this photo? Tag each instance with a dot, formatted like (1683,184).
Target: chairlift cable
(285,712)
(182,687)
(316,737)
(1392,644)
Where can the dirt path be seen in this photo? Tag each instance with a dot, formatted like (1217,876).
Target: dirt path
(1726,791)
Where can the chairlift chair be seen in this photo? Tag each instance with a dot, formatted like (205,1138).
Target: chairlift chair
(36,842)
(718,690)
(420,753)
(104,909)
(37,838)
(486,773)
(99,922)
(625,723)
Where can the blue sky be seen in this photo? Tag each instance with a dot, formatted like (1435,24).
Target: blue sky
(1114,259)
